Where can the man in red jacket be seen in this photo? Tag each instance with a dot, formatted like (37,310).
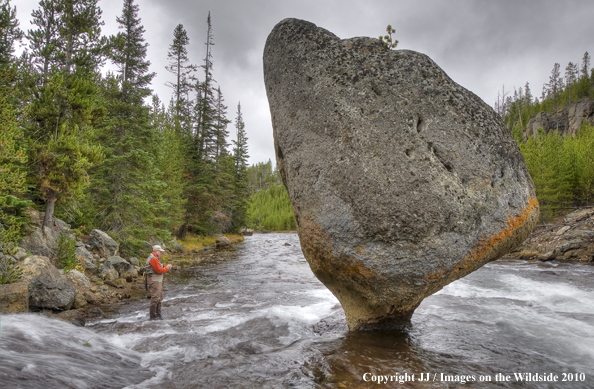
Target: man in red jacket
(155,273)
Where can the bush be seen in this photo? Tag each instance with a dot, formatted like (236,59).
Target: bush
(9,270)
(66,253)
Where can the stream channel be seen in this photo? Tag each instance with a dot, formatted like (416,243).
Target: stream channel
(260,319)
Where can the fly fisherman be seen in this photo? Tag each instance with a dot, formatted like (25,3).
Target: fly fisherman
(155,271)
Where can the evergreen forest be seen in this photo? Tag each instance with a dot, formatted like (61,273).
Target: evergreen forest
(270,208)
(561,165)
(101,150)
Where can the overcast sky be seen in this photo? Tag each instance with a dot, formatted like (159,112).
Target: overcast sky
(481,45)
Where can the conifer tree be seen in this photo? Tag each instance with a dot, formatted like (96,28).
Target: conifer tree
(12,152)
(180,66)
(10,32)
(45,41)
(65,107)
(240,156)
(171,163)
(128,187)
(205,104)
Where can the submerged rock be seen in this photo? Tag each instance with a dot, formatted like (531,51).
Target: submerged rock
(401,180)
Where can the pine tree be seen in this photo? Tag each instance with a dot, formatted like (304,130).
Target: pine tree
(12,152)
(206,136)
(10,32)
(571,73)
(171,163)
(555,85)
(240,156)
(584,71)
(45,41)
(65,108)
(128,187)
(180,66)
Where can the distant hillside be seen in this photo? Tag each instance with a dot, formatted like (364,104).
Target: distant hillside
(556,136)
(269,206)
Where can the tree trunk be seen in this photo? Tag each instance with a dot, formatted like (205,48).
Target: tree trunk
(48,219)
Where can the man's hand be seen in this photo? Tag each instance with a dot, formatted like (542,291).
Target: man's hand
(169,267)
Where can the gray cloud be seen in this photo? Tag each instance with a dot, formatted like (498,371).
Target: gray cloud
(480,44)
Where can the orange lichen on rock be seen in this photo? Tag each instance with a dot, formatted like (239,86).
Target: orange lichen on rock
(485,245)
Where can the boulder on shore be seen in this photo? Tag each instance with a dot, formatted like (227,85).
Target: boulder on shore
(401,180)
(101,243)
(223,243)
(48,287)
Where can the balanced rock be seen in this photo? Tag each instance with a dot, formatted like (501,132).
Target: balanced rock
(401,180)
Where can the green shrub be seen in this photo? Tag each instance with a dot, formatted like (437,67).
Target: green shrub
(66,253)
(9,270)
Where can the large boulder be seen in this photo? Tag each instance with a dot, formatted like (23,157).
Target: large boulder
(48,287)
(102,244)
(107,272)
(123,267)
(42,241)
(223,243)
(401,180)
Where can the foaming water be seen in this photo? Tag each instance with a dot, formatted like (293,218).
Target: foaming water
(260,319)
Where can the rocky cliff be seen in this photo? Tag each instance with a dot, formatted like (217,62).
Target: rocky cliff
(566,120)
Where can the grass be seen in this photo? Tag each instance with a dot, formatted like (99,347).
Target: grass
(195,243)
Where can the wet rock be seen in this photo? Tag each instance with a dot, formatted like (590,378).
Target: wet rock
(14,298)
(94,313)
(401,180)
(74,316)
(102,244)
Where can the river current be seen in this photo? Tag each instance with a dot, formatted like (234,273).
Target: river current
(260,319)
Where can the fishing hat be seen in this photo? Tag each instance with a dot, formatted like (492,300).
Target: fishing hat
(158,248)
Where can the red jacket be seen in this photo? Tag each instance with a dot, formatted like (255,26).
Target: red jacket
(156,265)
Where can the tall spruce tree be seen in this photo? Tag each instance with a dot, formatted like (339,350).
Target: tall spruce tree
(180,66)
(240,157)
(128,186)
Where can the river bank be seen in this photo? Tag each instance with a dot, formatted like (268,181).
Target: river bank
(82,279)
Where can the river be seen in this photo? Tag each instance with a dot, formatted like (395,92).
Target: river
(260,319)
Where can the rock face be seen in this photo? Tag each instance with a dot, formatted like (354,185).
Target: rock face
(401,180)
(566,121)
